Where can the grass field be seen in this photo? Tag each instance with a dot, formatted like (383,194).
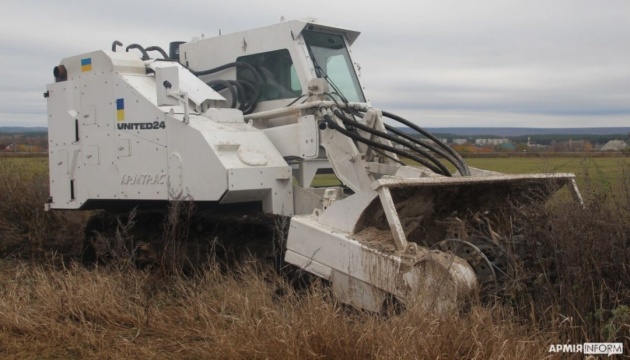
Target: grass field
(600,171)
(571,284)
(603,171)
(606,171)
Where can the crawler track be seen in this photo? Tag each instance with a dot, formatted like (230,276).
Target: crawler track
(186,240)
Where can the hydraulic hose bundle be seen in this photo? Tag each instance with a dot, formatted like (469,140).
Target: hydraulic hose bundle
(414,146)
(454,157)
(145,54)
(243,93)
(414,149)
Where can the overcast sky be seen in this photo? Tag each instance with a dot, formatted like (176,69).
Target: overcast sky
(500,63)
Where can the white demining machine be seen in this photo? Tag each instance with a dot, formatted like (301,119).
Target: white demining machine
(241,123)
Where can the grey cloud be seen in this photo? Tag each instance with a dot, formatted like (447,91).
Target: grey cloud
(489,62)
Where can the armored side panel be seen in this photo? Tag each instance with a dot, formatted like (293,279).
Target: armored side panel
(122,130)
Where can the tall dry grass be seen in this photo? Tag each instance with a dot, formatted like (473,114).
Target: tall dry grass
(73,312)
(572,272)
(26,230)
(570,284)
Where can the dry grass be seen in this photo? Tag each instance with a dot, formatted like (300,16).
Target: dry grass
(574,268)
(78,313)
(26,230)
(571,285)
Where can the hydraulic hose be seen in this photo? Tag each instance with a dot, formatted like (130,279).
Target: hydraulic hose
(223,84)
(240,92)
(295,100)
(430,136)
(251,103)
(247,104)
(437,150)
(145,56)
(227,66)
(390,137)
(115,44)
(158,49)
(332,124)
(461,166)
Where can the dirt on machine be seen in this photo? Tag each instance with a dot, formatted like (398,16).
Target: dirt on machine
(239,125)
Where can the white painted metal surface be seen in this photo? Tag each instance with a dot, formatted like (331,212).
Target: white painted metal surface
(410,276)
(124,129)
(112,138)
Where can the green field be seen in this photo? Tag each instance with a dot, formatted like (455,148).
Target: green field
(598,171)
(607,172)
(601,166)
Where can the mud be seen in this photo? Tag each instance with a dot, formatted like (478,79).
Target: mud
(380,240)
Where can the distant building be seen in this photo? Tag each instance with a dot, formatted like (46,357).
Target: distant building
(430,142)
(536,146)
(491,142)
(571,146)
(459,141)
(614,145)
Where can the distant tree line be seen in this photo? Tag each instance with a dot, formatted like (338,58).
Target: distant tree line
(24,142)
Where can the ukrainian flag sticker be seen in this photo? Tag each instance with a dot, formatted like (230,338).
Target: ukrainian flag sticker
(86,64)
(120,109)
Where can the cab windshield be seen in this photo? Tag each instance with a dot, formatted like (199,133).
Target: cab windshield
(332,61)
